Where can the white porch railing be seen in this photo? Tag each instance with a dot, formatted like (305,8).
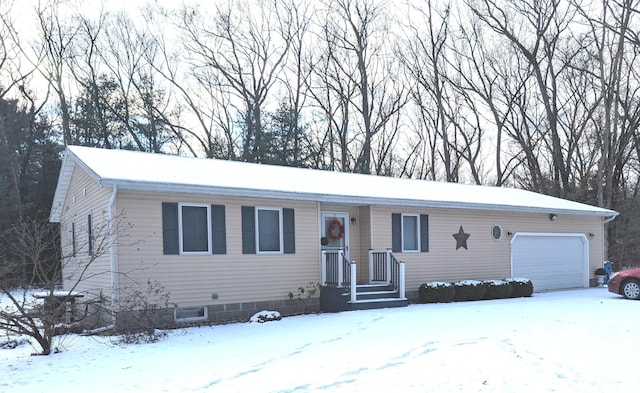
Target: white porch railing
(339,272)
(335,269)
(353,289)
(384,267)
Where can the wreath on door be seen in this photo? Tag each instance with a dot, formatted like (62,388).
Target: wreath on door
(335,230)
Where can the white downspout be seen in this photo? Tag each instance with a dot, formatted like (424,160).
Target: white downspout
(112,254)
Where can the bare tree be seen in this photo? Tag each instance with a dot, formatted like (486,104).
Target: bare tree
(618,87)
(332,94)
(142,108)
(424,56)
(296,77)
(204,101)
(481,75)
(357,37)
(242,52)
(535,29)
(13,72)
(610,64)
(56,49)
(39,307)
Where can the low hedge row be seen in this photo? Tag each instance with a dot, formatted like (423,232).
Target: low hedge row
(466,290)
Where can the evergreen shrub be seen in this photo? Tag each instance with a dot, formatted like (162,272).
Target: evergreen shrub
(520,287)
(469,290)
(497,289)
(436,292)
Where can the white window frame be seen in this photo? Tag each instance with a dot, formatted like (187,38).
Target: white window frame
(191,319)
(417,217)
(180,237)
(280,230)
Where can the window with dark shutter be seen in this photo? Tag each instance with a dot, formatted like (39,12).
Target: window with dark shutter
(409,232)
(189,228)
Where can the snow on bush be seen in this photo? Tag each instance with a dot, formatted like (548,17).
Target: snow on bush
(265,316)
(520,287)
(436,292)
(467,290)
(497,289)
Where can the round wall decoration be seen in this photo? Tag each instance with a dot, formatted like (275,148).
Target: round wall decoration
(335,230)
(496,232)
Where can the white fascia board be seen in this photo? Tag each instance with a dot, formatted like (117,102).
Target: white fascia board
(334,198)
(69,162)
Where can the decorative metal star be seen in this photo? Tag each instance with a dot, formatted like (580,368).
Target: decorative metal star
(461,238)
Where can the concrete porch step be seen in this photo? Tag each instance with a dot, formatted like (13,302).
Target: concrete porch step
(368,296)
(374,295)
(371,304)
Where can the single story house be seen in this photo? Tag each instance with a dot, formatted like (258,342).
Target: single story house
(226,239)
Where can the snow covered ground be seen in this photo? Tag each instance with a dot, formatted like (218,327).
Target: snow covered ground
(571,341)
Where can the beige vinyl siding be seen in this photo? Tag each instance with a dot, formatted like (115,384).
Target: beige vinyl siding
(85,197)
(485,258)
(235,277)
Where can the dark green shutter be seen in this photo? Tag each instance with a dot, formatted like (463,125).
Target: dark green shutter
(396,232)
(424,232)
(248,230)
(289,231)
(218,230)
(170,243)
(73,239)
(89,235)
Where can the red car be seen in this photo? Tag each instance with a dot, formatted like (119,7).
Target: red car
(625,283)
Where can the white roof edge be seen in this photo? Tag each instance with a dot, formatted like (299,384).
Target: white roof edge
(145,172)
(338,199)
(62,186)
(69,161)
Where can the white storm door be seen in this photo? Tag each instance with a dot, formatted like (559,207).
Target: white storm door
(335,229)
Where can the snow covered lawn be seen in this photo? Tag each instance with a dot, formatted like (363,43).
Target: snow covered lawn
(572,341)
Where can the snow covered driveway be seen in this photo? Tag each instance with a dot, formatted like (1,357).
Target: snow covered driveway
(572,341)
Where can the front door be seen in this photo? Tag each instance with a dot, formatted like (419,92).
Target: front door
(335,232)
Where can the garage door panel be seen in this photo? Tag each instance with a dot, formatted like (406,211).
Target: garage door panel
(550,261)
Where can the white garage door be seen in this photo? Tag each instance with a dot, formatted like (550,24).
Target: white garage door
(551,261)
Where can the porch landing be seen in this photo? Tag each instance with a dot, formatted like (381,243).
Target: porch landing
(368,297)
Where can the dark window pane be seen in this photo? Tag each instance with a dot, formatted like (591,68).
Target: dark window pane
(268,230)
(410,233)
(195,230)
